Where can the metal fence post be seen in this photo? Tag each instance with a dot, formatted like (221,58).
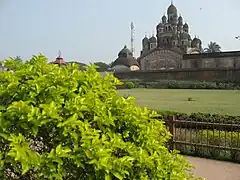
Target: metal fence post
(171,120)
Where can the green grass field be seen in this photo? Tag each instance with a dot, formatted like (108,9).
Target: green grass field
(225,102)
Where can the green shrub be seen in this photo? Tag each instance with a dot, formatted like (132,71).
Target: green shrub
(180,84)
(62,123)
(129,85)
(201,117)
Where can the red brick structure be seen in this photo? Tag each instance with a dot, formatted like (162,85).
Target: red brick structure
(203,74)
(59,60)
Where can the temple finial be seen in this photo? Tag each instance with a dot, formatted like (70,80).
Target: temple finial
(59,53)
(171,2)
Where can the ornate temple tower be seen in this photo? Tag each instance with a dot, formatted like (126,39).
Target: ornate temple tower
(172,41)
(171,32)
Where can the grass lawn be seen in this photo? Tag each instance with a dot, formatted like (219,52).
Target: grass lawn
(208,101)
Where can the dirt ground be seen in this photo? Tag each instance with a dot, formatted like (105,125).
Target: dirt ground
(215,170)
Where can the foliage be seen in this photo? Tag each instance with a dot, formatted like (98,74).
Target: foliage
(129,85)
(18,58)
(212,48)
(102,67)
(62,123)
(201,117)
(81,66)
(13,64)
(178,84)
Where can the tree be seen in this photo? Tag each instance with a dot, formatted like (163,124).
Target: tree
(212,47)
(102,67)
(63,123)
(13,63)
(81,66)
(18,58)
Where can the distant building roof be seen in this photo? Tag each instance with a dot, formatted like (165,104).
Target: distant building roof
(128,61)
(125,52)
(125,58)
(212,55)
(59,60)
(172,9)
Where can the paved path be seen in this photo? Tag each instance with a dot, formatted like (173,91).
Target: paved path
(215,170)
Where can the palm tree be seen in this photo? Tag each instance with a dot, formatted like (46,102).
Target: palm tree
(18,58)
(212,47)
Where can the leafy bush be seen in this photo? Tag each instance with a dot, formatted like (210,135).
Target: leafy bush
(62,123)
(201,117)
(13,63)
(129,85)
(177,84)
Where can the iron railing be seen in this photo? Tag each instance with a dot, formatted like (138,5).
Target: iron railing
(205,139)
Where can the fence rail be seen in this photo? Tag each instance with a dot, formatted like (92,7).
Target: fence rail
(205,139)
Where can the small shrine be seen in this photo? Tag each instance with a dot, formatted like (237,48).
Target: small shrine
(59,60)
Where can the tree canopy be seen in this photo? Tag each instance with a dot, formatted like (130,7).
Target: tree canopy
(102,67)
(212,47)
(13,63)
(64,123)
(80,65)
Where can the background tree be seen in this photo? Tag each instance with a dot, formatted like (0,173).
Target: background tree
(102,67)
(212,47)
(18,58)
(62,123)
(13,63)
(81,66)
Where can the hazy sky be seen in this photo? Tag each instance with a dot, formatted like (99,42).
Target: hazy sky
(95,30)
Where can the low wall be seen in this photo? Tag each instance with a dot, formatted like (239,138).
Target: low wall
(219,74)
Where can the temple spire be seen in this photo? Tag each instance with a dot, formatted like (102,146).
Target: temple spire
(59,53)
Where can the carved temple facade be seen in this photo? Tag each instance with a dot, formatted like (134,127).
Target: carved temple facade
(173,48)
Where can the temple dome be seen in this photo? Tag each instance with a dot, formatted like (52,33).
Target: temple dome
(145,40)
(125,58)
(172,9)
(125,52)
(153,39)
